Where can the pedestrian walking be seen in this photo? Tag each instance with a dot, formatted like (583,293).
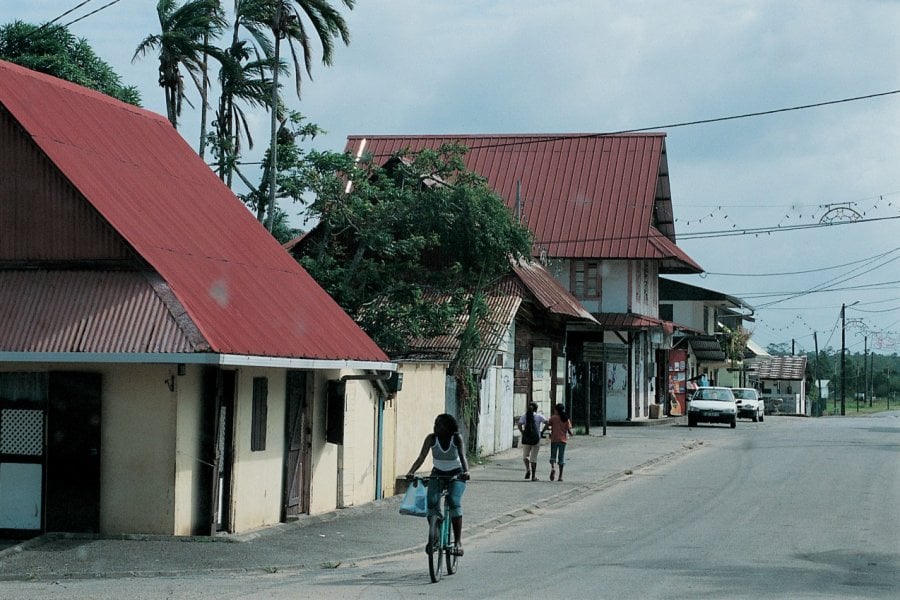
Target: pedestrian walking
(531,426)
(560,430)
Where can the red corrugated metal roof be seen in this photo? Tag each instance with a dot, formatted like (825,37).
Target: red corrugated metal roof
(583,196)
(88,311)
(548,292)
(631,321)
(243,292)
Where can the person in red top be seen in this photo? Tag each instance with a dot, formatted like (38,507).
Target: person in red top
(560,430)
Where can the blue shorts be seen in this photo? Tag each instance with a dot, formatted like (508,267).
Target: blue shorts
(454,498)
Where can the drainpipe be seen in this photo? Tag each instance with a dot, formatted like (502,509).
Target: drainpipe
(379,449)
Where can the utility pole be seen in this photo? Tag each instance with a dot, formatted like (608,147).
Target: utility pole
(843,351)
(819,404)
(865,371)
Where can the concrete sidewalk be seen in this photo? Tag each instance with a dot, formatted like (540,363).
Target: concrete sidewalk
(497,495)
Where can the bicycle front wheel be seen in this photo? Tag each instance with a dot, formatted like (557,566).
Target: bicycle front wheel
(451,560)
(434,549)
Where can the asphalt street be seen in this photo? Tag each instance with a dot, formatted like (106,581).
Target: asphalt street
(497,495)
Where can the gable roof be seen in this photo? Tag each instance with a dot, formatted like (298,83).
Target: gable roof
(583,196)
(239,289)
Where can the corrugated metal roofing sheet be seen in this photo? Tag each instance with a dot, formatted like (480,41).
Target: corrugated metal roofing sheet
(632,321)
(583,196)
(243,292)
(87,311)
(548,292)
(501,311)
(782,367)
(706,348)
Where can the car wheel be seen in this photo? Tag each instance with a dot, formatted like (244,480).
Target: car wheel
(761,417)
(755,417)
(734,423)
(692,422)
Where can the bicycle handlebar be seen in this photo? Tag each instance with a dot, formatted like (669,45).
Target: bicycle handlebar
(425,478)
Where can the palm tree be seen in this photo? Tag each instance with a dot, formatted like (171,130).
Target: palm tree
(183,43)
(243,80)
(287,20)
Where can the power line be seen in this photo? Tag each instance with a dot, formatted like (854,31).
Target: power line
(819,270)
(555,138)
(105,6)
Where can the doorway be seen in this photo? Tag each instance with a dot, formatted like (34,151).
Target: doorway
(298,436)
(217,449)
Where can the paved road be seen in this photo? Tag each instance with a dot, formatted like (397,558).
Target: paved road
(496,495)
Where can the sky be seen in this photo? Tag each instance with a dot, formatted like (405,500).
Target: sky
(751,195)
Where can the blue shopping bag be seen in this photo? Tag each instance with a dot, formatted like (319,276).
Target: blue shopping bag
(414,502)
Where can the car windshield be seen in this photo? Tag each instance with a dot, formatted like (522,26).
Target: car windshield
(710,394)
(745,394)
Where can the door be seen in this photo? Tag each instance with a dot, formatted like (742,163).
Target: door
(217,451)
(224,449)
(297,447)
(23,400)
(72,499)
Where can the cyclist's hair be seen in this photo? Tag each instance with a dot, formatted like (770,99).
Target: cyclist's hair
(445,425)
(561,411)
(529,414)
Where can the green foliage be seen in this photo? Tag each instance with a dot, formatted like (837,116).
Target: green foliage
(183,45)
(405,236)
(54,50)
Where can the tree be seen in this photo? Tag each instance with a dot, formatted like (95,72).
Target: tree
(410,248)
(53,50)
(183,43)
(419,228)
(287,20)
(243,81)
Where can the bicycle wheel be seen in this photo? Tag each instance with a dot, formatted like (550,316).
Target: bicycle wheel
(434,549)
(451,559)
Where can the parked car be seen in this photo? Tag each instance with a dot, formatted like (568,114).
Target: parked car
(749,404)
(712,405)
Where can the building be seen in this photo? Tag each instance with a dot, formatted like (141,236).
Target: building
(165,366)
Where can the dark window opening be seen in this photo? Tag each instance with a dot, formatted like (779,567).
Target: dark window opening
(260,413)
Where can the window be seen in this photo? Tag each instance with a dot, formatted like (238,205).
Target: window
(667,312)
(586,278)
(260,414)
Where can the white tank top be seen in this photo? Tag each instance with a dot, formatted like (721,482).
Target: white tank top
(446,460)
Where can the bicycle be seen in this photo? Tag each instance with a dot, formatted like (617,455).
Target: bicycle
(439,547)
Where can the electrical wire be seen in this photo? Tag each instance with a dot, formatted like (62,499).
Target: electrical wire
(105,6)
(556,138)
(819,270)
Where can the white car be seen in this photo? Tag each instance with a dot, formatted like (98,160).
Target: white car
(712,405)
(749,404)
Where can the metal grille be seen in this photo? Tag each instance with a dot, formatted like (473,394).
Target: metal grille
(22,432)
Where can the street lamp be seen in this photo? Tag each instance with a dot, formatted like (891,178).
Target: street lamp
(844,351)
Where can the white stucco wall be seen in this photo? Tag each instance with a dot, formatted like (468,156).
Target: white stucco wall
(189,469)
(417,404)
(137,462)
(256,498)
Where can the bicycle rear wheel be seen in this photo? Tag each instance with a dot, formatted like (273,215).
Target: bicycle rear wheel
(434,549)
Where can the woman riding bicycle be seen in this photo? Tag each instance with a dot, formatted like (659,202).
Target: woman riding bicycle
(449,459)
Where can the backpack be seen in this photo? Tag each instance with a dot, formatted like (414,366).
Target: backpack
(530,435)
